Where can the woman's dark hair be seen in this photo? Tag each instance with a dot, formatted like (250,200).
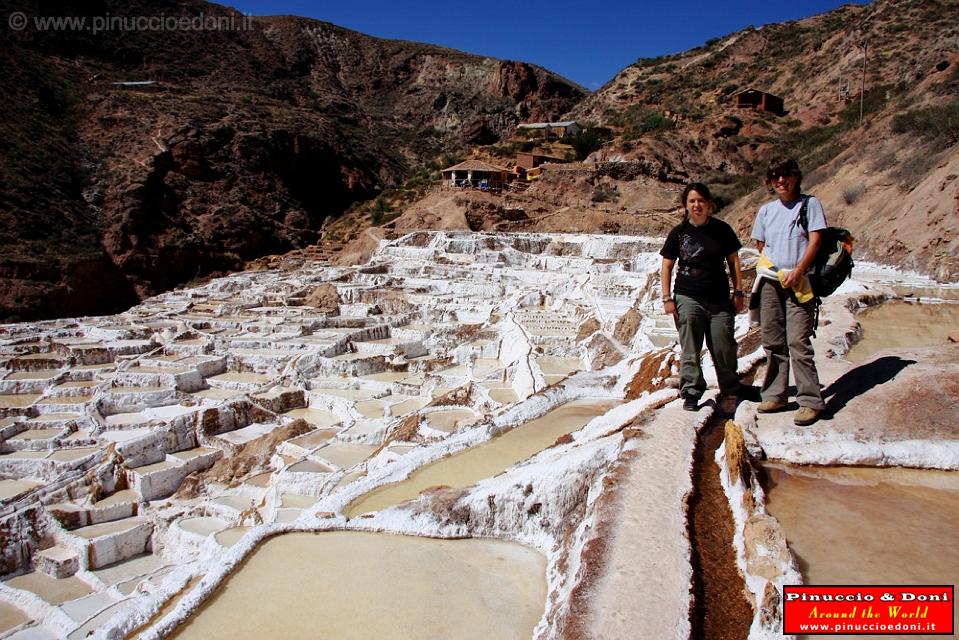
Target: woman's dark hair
(699,188)
(783,166)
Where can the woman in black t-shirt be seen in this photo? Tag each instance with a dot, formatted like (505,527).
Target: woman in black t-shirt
(702,307)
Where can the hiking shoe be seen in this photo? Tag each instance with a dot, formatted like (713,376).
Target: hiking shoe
(691,403)
(806,416)
(770,406)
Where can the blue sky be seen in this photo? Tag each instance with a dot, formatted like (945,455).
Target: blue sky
(587,43)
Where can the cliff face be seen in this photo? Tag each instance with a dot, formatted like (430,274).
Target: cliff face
(246,142)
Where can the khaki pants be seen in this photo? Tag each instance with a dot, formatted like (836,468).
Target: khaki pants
(787,338)
(714,323)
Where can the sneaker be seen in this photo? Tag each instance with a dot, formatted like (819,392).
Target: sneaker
(770,406)
(691,403)
(806,416)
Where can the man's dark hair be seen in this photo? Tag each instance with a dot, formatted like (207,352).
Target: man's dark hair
(786,167)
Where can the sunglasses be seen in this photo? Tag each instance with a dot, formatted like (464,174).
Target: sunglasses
(776,175)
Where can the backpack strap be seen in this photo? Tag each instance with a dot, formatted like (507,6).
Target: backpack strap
(815,324)
(803,218)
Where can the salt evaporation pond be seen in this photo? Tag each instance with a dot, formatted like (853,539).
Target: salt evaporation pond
(347,585)
(899,324)
(859,525)
(11,617)
(488,459)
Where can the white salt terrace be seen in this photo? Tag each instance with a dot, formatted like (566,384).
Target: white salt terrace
(129,452)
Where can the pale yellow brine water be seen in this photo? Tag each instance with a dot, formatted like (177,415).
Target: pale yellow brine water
(359,586)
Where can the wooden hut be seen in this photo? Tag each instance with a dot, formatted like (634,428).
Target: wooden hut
(755,99)
(529,160)
(476,173)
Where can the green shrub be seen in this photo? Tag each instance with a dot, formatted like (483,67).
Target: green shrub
(852,193)
(380,210)
(873,102)
(605,193)
(586,142)
(642,121)
(937,124)
(727,187)
(657,121)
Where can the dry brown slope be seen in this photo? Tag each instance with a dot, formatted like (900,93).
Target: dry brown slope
(889,180)
(248,142)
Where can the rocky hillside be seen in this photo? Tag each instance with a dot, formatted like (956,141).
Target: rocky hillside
(248,140)
(892,179)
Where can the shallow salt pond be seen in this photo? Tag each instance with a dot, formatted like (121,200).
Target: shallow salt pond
(857,525)
(316,417)
(899,324)
(13,488)
(18,401)
(229,537)
(408,406)
(349,394)
(203,525)
(50,589)
(313,439)
(449,420)
(10,617)
(371,408)
(69,455)
(344,454)
(365,585)
(555,365)
(488,459)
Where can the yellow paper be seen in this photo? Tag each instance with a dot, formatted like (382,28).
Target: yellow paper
(802,291)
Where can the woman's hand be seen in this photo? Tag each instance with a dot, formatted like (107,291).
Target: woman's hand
(739,302)
(670,307)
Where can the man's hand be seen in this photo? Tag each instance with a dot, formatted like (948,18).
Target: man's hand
(793,278)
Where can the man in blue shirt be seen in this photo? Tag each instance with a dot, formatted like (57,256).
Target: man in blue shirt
(787,324)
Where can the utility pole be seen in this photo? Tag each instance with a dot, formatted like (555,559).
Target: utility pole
(862,87)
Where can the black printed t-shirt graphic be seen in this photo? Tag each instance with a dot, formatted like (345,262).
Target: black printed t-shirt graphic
(701,253)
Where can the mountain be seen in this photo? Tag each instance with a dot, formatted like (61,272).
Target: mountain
(252,140)
(891,179)
(243,142)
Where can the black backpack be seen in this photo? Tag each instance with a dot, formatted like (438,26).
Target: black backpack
(833,262)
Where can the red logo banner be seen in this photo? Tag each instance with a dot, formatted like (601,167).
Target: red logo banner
(874,610)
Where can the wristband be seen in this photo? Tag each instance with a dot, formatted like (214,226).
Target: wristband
(738,293)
